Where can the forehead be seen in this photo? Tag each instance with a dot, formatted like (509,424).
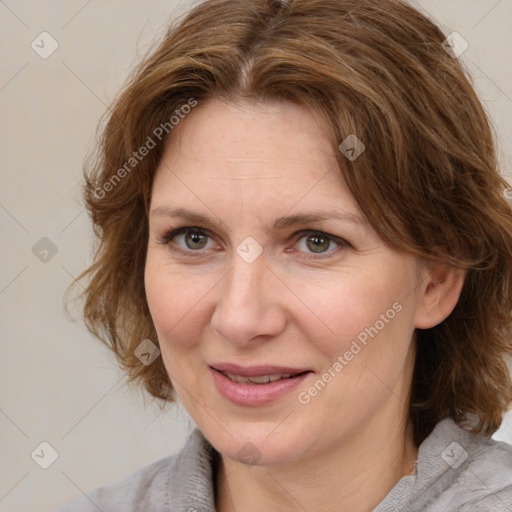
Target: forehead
(253,132)
(273,146)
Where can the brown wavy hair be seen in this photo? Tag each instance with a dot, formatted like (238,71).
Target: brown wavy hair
(428,182)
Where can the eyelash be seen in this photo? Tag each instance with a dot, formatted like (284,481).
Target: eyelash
(168,237)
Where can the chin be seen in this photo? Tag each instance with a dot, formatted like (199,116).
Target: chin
(256,444)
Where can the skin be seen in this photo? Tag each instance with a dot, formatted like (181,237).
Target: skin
(295,305)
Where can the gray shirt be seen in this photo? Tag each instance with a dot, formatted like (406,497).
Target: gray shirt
(455,471)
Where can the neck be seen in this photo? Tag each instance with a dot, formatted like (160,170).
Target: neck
(354,476)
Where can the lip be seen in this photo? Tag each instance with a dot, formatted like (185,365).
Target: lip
(255,395)
(255,371)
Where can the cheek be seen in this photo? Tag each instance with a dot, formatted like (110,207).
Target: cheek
(175,305)
(174,300)
(339,313)
(366,344)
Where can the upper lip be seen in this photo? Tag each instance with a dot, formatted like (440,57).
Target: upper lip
(256,371)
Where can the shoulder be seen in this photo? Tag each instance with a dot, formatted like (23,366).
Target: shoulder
(458,471)
(128,493)
(161,486)
(483,481)
(472,472)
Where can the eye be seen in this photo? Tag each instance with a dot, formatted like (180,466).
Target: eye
(187,239)
(318,242)
(191,241)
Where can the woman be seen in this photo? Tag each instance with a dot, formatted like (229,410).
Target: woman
(303,237)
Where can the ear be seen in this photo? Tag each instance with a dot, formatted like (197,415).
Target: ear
(440,296)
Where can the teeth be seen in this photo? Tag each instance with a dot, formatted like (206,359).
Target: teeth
(263,379)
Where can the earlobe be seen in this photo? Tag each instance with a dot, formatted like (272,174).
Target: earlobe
(440,296)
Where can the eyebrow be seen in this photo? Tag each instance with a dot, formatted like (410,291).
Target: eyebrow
(280,223)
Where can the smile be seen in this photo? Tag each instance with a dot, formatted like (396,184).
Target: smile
(263,379)
(256,386)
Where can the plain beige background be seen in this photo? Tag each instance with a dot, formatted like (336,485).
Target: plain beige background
(58,384)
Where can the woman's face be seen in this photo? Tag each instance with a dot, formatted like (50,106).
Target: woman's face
(277,273)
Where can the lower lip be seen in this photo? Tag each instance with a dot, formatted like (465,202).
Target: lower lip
(255,394)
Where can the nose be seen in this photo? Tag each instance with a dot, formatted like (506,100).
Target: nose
(248,306)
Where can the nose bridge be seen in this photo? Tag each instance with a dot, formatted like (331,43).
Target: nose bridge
(243,288)
(247,306)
